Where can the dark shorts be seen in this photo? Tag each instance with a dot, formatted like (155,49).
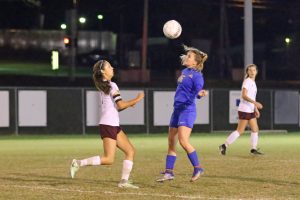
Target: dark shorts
(109,131)
(246,116)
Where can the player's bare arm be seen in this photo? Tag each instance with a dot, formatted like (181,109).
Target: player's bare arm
(245,97)
(121,105)
(256,112)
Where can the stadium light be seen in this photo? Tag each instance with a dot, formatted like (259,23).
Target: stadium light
(100,17)
(63,26)
(82,20)
(287,40)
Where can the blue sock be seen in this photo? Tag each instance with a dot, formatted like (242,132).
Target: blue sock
(194,159)
(170,161)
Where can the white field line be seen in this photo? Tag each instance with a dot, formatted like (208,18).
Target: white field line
(120,193)
(48,188)
(160,195)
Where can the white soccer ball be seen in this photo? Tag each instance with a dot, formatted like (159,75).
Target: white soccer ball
(172,29)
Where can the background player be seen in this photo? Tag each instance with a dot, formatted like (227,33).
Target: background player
(248,112)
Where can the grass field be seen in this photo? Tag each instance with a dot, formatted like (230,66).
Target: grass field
(37,167)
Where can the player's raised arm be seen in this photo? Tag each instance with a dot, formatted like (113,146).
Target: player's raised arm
(122,105)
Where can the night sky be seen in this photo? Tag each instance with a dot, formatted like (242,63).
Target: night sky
(273,21)
(199,18)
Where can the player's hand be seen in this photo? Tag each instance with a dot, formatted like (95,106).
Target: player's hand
(140,96)
(257,113)
(258,105)
(203,93)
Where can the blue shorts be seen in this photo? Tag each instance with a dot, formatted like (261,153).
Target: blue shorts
(183,118)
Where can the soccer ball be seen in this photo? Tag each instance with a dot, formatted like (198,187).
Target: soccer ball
(172,29)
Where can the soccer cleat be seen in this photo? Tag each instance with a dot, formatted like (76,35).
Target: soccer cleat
(222,149)
(197,173)
(255,152)
(165,176)
(127,184)
(74,168)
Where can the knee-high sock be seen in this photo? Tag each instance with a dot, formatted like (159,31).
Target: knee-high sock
(127,167)
(170,162)
(254,140)
(194,159)
(232,137)
(95,160)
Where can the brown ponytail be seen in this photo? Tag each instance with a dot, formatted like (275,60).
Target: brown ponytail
(98,77)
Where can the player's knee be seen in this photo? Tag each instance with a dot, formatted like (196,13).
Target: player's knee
(110,160)
(255,130)
(183,143)
(130,153)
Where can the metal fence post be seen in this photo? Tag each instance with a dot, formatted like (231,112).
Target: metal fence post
(211,110)
(16,112)
(147,110)
(83,110)
(272,110)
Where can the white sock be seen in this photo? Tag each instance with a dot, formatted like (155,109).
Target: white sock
(231,138)
(254,140)
(90,161)
(127,167)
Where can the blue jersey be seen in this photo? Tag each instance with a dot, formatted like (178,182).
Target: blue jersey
(189,84)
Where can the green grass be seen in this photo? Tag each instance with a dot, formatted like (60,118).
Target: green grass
(37,167)
(39,69)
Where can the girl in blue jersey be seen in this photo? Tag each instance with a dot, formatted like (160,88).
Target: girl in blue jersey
(190,85)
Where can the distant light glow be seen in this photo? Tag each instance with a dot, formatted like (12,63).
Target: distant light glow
(66,40)
(55,60)
(63,26)
(287,40)
(100,17)
(82,20)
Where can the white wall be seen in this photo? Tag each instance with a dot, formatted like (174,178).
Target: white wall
(234,98)
(92,108)
(32,107)
(133,115)
(4,108)
(286,104)
(163,108)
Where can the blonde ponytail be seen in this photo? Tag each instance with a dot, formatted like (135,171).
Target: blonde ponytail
(200,58)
